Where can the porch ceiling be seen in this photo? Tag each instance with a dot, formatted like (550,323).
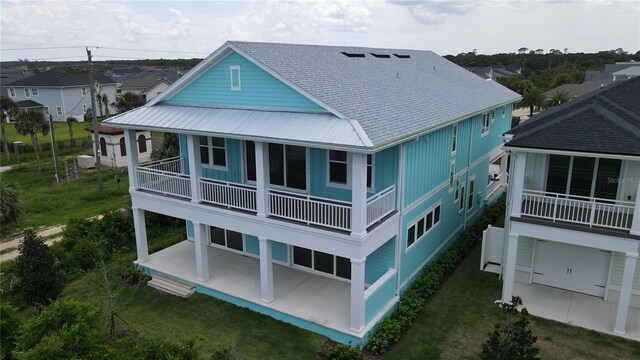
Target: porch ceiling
(304,128)
(309,297)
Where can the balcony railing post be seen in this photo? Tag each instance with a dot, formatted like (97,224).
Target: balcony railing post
(555,208)
(132,157)
(593,212)
(195,167)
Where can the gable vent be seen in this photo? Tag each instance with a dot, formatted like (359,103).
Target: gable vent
(381,56)
(353,55)
(402,56)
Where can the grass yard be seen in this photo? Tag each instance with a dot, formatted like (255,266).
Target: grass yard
(46,203)
(458,318)
(61,132)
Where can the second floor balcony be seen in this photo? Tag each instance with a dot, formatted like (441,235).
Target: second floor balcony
(169,178)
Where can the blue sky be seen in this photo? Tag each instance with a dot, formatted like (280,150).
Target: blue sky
(185,29)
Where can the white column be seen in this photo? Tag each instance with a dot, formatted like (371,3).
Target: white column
(635,226)
(266,270)
(202,258)
(262,178)
(140,228)
(517,182)
(625,293)
(358,194)
(195,167)
(132,157)
(510,268)
(357,295)
(503,168)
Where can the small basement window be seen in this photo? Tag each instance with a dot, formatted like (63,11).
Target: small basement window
(354,55)
(402,56)
(234,72)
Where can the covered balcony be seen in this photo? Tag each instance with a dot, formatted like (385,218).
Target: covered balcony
(168,177)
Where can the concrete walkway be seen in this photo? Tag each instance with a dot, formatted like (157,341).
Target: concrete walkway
(576,309)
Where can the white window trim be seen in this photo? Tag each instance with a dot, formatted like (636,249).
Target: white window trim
(84,108)
(83,90)
(454,139)
(462,200)
(431,212)
(451,179)
(12,92)
(312,270)
(231,70)
(35,92)
(307,170)
(210,150)
(456,193)
(493,116)
(484,131)
(471,194)
(504,111)
(46,111)
(27,92)
(347,186)
(59,111)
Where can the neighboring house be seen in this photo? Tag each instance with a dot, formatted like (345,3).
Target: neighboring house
(10,75)
(628,73)
(118,73)
(576,90)
(62,94)
(573,217)
(171,75)
(29,104)
(316,181)
(606,75)
(113,152)
(496,71)
(147,88)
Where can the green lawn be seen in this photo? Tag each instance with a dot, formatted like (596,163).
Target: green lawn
(458,318)
(61,132)
(46,203)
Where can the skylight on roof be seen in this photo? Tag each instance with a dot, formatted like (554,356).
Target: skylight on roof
(402,56)
(381,56)
(356,55)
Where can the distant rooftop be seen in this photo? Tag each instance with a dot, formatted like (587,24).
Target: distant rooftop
(57,78)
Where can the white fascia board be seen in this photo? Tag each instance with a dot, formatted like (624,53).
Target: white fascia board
(571,153)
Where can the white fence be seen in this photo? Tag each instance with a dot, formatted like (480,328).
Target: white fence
(227,194)
(492,248)
(608,213)
(381,205)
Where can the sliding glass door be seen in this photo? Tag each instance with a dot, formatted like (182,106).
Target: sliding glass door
(583,176)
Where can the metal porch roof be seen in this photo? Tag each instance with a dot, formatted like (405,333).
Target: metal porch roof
(308,128)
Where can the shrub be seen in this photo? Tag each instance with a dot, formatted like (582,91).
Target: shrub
(8,328)
(344,352)
(36,271)
(225,353)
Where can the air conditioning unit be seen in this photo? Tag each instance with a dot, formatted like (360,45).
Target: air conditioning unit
(86,162)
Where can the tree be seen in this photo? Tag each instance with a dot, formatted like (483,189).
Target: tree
(9,110)
(128,101)
(104,99)
(558,97)
(99,101)
(514,339)
(10,207)
(539,51)
(31,122)
(523,50)
(36,271)
(70,121)
(533,97)
(169,147)
(9,325)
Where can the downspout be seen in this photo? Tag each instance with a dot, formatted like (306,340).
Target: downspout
(468,172)
(400,205)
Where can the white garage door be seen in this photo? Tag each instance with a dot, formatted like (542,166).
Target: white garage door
(571,267)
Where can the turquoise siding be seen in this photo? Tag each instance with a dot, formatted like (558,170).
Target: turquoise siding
(184,152)
(190,230)
(234,171)
(259,89)
(304,324)
(376,303)
(252,245)
(380,261)
(385,170)
(485,144)
(279,251)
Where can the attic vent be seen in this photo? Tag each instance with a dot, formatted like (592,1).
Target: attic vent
(355,55)
(402,56)
(381,56)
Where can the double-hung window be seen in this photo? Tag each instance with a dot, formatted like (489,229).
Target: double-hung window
(288,166)
(493,115)
(34,91)
(46,111)
(213,151)
(12,92)
(485,124)
(27,92)
(84,90)
(59,110)
(419,229)
(234,73)
(339,170)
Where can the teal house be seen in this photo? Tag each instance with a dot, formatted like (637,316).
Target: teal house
(316,181)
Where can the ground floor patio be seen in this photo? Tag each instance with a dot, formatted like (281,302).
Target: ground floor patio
(576,309)
(298,296)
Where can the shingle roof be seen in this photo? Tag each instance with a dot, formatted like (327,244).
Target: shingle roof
(58,78)
(26,104)
(605,121)
(390,97)
(141,84)
(575,90)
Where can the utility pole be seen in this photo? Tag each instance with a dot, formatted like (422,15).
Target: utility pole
(96,135)
(53,148)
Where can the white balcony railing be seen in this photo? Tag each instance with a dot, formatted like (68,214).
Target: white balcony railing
(615,214)
(309,209)
(381,205)
(164,176)
(231,195)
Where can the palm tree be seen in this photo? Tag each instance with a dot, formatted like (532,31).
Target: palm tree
(9,109)
(10,206)
(70,121)
(31,122)
(558,97)
(533,97)
(99,101)
(104,99)
(128,101)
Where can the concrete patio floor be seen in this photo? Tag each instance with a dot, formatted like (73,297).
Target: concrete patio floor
(576,309)
(304,295)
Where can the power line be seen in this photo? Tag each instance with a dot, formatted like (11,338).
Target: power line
(57,58)
(153,51)
(44,48)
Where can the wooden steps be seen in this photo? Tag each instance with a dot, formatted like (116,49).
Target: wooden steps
(171,286)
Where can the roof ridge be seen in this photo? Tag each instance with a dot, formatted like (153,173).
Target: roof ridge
(616,119)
